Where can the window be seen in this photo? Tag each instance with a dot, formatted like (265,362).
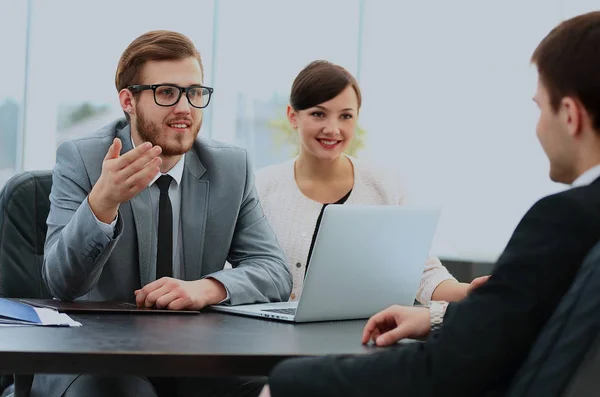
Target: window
(446,94)
(76,49)
(12,85)
(261,46)
(447,103)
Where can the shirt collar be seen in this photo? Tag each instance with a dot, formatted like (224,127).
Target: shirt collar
(176,172)
(587,177)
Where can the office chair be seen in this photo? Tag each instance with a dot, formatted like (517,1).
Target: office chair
(565,359)
(24,207)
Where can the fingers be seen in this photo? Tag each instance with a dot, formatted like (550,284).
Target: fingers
(150,158)
(140,180)
(117,146)
(153,296)
(369,328)
(410,322)
(114,150)
(482,279)
(180,303)
(169,295)
(393,336)
(478,282)
(375,335)
(376,321)
(166,299)
(132,155)
(140,297)
(141,294)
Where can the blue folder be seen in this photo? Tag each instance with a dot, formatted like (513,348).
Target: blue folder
(12,312)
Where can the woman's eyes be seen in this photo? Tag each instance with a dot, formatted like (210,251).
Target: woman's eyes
(345,116)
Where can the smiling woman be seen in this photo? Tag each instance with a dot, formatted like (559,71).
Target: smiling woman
(324,106)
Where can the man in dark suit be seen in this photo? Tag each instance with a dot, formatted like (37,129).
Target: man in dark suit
(475,346)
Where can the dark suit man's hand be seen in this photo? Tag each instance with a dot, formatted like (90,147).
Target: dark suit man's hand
(397,322)
(476,283)
(122,178)
(174,294)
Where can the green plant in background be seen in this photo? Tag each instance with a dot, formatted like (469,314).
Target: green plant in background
(285,136)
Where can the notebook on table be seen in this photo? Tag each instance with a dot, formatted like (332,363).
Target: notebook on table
(90,306)
(13,313)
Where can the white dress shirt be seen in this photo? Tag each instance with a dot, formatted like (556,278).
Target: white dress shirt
(175,195)
(587,177)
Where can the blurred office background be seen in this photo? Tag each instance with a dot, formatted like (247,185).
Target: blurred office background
(447,89)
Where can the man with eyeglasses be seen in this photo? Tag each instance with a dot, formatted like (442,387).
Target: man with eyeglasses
(144,210)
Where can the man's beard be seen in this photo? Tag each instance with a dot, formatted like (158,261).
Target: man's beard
(151,132)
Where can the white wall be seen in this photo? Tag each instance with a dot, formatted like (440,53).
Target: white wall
(75,49)
(12,77)
(263,44)
(448,89)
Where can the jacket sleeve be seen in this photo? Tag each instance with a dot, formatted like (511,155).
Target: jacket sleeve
(76,247)
(259,271)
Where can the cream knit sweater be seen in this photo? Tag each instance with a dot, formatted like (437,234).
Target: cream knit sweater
(293,217)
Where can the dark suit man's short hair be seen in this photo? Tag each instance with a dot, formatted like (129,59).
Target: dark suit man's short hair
(568,62)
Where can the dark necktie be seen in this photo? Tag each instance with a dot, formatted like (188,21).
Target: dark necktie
(164,252)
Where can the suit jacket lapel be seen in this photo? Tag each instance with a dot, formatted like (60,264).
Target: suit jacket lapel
(141,206)
(194,212)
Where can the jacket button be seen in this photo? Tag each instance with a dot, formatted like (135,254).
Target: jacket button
(293,296)
(298,265)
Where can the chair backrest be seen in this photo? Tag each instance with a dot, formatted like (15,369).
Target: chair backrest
(24,207)
(565,359)
(585,382)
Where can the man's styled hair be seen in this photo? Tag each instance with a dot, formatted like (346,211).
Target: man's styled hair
(157,45)
(568,63)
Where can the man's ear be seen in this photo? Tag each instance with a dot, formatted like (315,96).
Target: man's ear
(127,101)
(572,114)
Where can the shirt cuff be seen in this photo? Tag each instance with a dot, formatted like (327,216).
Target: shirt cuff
(108,230)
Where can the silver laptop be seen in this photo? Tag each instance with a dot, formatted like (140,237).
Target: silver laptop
(365,258)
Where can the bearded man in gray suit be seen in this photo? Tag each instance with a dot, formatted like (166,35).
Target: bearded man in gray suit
(144,210)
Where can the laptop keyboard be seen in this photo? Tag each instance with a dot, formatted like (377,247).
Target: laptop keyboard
(291,312)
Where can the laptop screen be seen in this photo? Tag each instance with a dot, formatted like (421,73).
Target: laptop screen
(314,236)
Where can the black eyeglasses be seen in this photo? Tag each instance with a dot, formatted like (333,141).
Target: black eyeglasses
(169,94)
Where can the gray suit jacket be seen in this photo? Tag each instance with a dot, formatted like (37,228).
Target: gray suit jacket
(221,218)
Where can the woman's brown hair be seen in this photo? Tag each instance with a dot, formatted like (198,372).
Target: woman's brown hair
(321,81)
